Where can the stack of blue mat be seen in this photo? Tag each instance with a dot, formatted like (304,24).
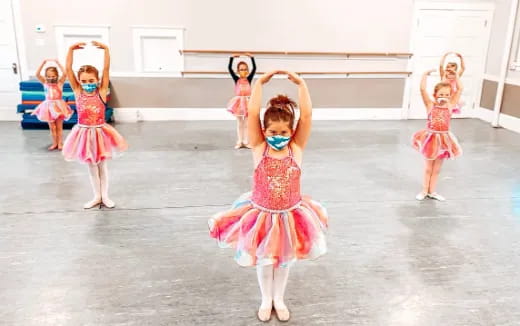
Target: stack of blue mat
(33,94)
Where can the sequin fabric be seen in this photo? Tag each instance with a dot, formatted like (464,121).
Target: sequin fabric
(276,183)
(439,119)
(273,224)
(91,110)
(92,140)
(436,141)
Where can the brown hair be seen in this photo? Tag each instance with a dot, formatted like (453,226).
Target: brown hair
(242,63)
(439,86)
(53,69)
(280,108)
(89,70)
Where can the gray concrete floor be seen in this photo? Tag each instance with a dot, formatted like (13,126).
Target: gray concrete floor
(391,261)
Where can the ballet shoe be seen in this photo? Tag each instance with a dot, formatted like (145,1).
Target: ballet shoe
(283,315)
(108,203)
(264,315)
(94,202)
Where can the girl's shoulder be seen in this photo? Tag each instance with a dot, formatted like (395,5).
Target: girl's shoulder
(294,147)
(258,153)
(260,148)
(78,93)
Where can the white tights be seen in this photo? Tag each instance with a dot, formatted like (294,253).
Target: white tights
(242,130)
(272,281)
(98,174)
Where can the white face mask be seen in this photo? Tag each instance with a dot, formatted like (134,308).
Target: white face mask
(442,100)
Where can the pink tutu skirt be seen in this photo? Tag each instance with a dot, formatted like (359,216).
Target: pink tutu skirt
(238,106)
(264,237)
(52,110)
(93,144)
(434,145)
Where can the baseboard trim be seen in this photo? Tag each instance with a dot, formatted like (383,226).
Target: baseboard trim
(504,120)
(9,114)
(483,114)
(509,122)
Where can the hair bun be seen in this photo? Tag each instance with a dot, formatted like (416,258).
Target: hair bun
(281,101)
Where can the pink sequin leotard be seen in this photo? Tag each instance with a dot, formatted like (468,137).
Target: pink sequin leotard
(92,140)
(273,224)
(436,141)
(54,107)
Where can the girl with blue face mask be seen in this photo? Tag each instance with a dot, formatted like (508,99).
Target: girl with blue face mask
(54,109)
(92,141)
(274,226)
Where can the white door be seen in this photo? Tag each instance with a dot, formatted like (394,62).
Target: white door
(438,31)
(9,65)
(69,35)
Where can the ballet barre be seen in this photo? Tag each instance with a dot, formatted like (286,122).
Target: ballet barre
(407,73)
(302,53)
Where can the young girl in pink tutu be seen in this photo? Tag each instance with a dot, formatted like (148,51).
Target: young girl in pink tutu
(274,225)
(54,109)
(238,104)
(449,75)
(92,141)
(436,142)
(452,65)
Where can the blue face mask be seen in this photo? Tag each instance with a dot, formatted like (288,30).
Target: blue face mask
(278,142)
(89,88)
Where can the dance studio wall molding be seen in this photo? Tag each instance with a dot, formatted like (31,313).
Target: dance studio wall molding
(489,92)
(509,117)
(510,100)
(167,114)
(505,121)
(214,92)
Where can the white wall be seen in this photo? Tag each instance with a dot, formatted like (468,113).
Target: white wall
(291,25)
(516,48)
(498,36)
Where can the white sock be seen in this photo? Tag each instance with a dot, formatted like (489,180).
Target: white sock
(265,281)
(93,172)
(281,275)
(103,176)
